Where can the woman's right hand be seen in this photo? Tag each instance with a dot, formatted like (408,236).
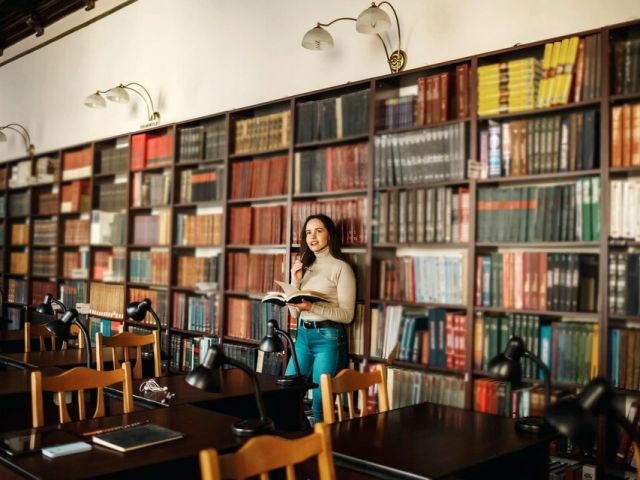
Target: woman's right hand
(296,271)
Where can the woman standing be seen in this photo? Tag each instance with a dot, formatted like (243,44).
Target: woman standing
(321,344)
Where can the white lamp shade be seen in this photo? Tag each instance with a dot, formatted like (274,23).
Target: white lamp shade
(317,39)
(372,21)
(95,101)
(118,95)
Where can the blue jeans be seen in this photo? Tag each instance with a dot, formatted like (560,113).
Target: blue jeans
(319,350)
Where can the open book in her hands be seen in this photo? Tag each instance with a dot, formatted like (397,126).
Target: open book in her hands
(292,295)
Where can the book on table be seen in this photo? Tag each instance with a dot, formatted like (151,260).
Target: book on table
(133,438)
(293,295)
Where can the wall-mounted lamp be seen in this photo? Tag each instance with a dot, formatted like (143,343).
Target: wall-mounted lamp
(16,127)
(372,21)
(119,94)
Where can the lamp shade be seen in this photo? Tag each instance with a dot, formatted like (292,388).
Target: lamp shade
(373,20)
(60,328)
(45,307)
(117,94)
(271,342)
(207,376)
(317,39)
(95,101)
(138,310)
(3,137)
(506,365)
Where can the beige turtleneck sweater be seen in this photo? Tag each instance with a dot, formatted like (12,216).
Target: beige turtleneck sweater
(335,279)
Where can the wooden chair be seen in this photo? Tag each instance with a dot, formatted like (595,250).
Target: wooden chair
(78,379)
(40,331)
(126,341)
(348,382)
(265,453)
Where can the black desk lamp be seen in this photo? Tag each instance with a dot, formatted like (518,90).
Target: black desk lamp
(506,366)
(271,343)
(574,417)
(138,311)
(61,329)
(207,376)
(45,308)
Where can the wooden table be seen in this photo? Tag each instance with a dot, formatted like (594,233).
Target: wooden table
(12,341)
(201,428)
(284,404)
(72,357)
(430,441)
(15,397)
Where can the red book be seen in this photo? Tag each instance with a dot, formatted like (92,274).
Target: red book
(443,114)
(138,151)
(462,90)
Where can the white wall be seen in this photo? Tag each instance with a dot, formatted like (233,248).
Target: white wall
(199,57)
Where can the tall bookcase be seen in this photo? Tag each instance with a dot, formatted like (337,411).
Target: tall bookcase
(495,191)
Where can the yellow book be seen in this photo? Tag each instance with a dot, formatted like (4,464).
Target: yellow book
(556,85)
(594,352)
(546,65)
(564,88)
(555,57)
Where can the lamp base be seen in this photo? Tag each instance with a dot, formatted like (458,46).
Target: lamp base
(397,61)
(289,379)
(253,426)
(532,425)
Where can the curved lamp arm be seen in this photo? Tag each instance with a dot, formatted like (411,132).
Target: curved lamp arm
(87,340)
(148,101)
(546,375)
(397,21)
(284,334)
(256,386)
(60,304)
(16,127)
(384,45)
(156,318)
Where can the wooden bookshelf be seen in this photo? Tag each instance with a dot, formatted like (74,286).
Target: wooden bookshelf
(411,106)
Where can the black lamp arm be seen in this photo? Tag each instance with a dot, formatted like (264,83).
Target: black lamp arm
(155,317)
(60,304)
(293,349)
(254,380)
(87,340)
(546,376)
(627,425)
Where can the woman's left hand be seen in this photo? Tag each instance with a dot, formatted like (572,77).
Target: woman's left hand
(303,306)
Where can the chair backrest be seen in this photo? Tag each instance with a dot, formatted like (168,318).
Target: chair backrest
(40,331)
(127,341)
(265,453)
(78,379)
(348,382)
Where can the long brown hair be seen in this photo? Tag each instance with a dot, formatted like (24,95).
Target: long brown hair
(307,257)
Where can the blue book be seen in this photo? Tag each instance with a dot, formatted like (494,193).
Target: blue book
(615,356)
(545,348)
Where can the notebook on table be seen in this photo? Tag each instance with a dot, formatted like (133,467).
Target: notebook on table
(133,438)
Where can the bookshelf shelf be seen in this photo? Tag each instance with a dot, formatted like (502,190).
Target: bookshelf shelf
(193,333)
(193,247)
(275,151)
(215,203)
(143,208)
(257,247)
(417,128)
(624,97)
(419,366)
(546,245)
(416,186)
(550,313)
(195,163)
(625,318)
(542,178)
(252,295)
(153,168)
(333,141)
(337,194)
(242,340)
(542,111)
(243,201)
(448,306)
(425,246)
(149,246)
(633,169)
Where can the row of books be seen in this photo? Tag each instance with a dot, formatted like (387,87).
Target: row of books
(548,144)
(193,270)
(17,290)
(112,196)
(248,318)
(332,118)
(254,272)
(109,265)
(151,189)
(76,231)
(149,267)
(433,154)
(348,214)
(159,300)
(438,100)
(152,229)
(106,300)
(425,215)
(537,281)
(75,264)
(108,228)
(105,326)
(199,229)
(576,348)
(410,387)
(196,313)
(19,204)
(355,330)
(432,277)
(626,65)
(21,174)
(257,225)
(625,135)
(558,63)
(202,184)
(202,142)
(19,263)
(331,169)
(259,177)
(73,292)
(499,398)
(19,234)
(397,112)
(47,203)
(151,150)
(77,164)
(568,212)
(624,283)
(509,86)
(626,448)
(39,288)
(491,334)
(114,159)
(624,359)
(44,263)
(262,133)
(76,196)
(188,352)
